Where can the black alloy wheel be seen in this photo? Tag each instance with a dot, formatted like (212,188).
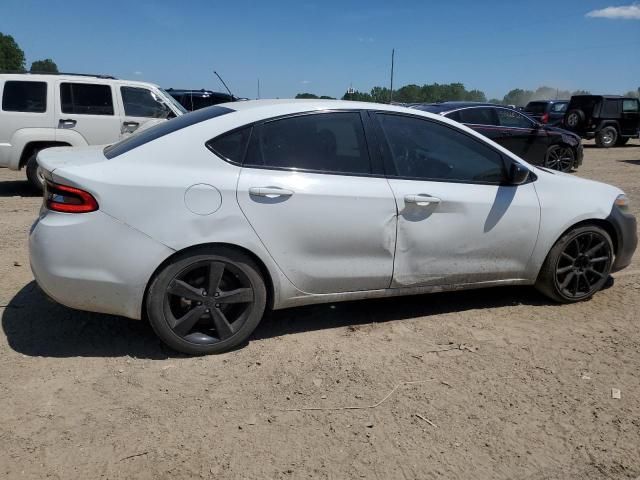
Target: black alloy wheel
(207,303)
(578,265)
(560,157)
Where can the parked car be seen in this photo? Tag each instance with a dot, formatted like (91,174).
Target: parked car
(275,204)
(45,110)
(612,120)
(547,112)
(538,144)
(197,99)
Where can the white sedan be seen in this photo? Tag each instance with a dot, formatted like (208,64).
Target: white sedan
(202,222)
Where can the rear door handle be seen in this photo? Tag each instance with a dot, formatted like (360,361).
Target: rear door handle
(271,192)
(129,127)
(421,199)
(66,123)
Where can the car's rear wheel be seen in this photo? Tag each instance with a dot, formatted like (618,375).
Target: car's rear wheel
(560,157)
(34,173)
(207,301)
(577,266)
(607,137)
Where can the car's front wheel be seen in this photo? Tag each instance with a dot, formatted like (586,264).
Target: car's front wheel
(207,301)
(559,157)
(607,137)
(578,265)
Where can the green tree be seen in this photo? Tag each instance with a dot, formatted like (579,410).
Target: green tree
(518,97)
(306,95)
(357,96)
(11,55)
(581,92)
(46,65)
(496,101)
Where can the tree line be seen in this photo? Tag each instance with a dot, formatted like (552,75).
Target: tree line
(436,92)
(12,58)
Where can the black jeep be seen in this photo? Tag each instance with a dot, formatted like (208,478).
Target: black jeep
(610,119)
(197,99)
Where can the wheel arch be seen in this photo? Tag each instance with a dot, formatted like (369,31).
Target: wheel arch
(32,147)
(608,123)
(264,271)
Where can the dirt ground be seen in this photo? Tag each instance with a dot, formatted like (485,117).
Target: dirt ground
(495,383)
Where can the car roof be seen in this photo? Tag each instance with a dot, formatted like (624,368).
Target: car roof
(72,77)
(549,101)
(196,92)
(449,106)
(303,105)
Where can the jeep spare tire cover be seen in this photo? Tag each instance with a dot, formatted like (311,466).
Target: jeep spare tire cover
(574,118)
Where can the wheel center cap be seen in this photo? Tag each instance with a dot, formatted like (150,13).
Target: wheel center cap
(582,262)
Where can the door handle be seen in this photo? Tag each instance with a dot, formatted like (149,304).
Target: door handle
(66,123)
(129,127)
(421,199)
(271,192)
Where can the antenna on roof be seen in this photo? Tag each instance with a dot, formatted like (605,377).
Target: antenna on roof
(225,85)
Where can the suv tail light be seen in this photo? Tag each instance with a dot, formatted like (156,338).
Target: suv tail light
(62,198)
(545,118)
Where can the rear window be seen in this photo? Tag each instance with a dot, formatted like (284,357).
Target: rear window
(536,107)
(164,128)
(30,97)
(559,107)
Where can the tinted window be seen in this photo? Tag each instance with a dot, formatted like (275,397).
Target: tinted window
(162,129)
(510,118)
(610,108)
(428,150)
(325,142)
(140,102)
(231,146)
(630,105)
(24,97)
(559,107)
(478,116)
(86,99)
(536,107)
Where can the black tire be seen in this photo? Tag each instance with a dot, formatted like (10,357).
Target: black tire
(577,266)
(188,319)
(606,137)
(33,173)
(560,157)
(574,119)
(622,141)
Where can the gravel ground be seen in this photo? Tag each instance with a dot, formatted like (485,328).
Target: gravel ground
(494,383)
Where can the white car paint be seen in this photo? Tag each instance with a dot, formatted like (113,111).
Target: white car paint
(335,238)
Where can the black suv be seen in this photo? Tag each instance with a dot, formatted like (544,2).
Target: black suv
(197,99)
(548,112)
(610,119)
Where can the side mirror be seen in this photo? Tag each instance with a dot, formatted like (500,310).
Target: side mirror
(518,173)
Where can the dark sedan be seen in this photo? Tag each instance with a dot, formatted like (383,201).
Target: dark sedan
(538,144)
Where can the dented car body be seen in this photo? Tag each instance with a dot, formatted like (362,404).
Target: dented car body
(324,200)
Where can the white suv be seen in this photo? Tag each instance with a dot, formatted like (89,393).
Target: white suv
(41,111)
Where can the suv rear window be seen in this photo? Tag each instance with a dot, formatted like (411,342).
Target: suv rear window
(19,96)
(164,128)
(86,99)
(536,107)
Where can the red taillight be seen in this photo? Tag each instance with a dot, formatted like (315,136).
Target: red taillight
(62,198)
(545,118)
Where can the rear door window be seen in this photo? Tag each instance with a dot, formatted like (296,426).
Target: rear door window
(559,107)
(478,116)
(610,108)
(323,143)
(86,99)
(30,97)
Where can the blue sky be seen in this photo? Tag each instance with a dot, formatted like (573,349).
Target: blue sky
(325,46)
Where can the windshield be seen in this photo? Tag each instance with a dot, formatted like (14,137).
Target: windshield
(172,101)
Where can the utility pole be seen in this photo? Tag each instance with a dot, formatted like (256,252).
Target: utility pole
(393,53)
(258,89)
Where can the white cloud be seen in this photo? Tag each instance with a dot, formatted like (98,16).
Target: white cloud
(305,82)
(626,12)
(366,39)
(137,72)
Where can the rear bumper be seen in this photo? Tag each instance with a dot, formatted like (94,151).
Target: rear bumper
(92,262)
(625,227)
